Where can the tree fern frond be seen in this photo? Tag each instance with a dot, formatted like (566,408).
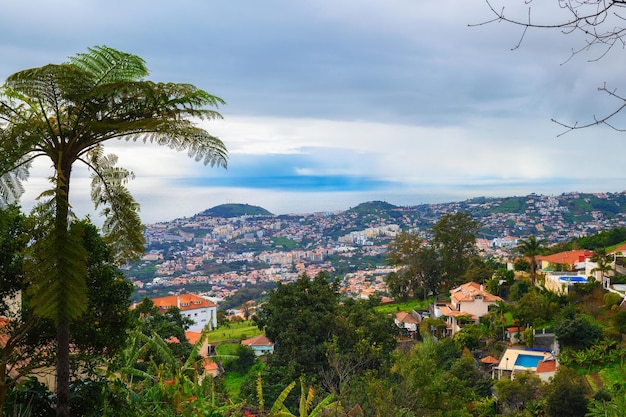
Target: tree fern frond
(107,65)
(11,187)
(122,226)
(198,143)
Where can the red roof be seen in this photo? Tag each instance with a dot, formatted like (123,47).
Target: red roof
(183,302)
(469,291)
(489,360)
(515,329)
(404,317)
(193,337)
(209,365)
(568,257)
(546,366)
(260,340)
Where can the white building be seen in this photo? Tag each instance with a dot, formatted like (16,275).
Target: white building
(202,311)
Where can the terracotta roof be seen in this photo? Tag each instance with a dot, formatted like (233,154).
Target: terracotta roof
(567,257)
(183,302)
(209,365)
(468,292)
(260,340)
(449,311)
(404,317)
(546,366)
(515,329)
(193,337)
(489,360)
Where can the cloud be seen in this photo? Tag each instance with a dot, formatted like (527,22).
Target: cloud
(329,102)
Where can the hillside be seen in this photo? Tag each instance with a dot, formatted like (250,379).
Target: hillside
(228,211)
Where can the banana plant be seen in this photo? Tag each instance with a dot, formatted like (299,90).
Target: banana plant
(307,397)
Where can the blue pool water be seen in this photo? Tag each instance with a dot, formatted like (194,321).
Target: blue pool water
(527,361)
(573,279)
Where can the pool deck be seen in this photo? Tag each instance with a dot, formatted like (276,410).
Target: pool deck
(507,365)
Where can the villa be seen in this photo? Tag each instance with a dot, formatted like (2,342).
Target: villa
(468,303)
(202,311)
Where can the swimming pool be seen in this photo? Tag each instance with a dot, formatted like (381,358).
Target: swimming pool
(577,279)
(527,361)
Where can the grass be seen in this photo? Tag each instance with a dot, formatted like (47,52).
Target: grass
(233,331)
(405,306)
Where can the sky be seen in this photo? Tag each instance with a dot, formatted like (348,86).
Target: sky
(331,103)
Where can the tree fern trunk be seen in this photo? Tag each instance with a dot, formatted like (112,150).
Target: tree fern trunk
(63,369)
(63,324)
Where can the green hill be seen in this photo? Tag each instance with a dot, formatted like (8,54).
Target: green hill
(235,210)
(372,207)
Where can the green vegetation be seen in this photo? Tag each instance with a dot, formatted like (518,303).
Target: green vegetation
(233,331)
(66,113)
(235,210)
(417,305)
(511,205)
(286,243)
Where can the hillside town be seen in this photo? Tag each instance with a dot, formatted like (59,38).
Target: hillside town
(216,256)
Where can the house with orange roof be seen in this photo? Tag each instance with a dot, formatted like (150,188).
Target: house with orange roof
(200,310)
(406,321)
(260,345)
(468,303)
(572,260)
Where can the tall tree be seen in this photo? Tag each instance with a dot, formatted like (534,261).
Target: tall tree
(530,249)
(454,236)
(299,317)
(420,266)
(65,112)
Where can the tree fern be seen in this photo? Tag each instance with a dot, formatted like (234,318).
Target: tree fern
(64,112)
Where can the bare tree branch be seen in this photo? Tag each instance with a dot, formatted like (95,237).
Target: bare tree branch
(602,24)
